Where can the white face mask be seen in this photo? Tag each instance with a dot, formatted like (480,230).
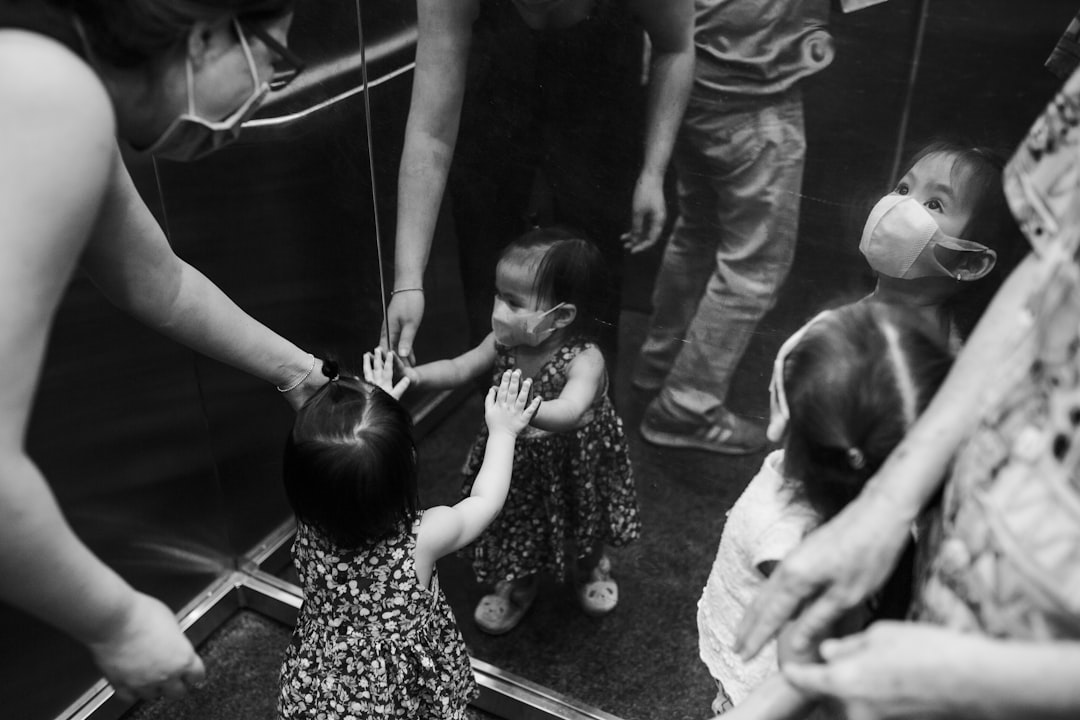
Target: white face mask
(515,329)
(190,137)
(900,238)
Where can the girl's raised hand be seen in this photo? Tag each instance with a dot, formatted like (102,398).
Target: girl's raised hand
(379,371)
(507,407)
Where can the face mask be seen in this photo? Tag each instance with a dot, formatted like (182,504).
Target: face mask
(900,238)
(190,137)
(514,329)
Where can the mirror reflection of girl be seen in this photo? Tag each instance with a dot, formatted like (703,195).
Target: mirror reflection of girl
(943,240)
(375,636)
(573,491)
(845,389)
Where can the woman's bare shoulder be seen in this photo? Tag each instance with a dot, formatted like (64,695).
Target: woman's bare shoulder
(43,81)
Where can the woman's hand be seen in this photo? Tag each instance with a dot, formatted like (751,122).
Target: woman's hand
(379,371)
(897,670)
(650,213)
(147,656)
(507,408)
(834,569)
(404,313)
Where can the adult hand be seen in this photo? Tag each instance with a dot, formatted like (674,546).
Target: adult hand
(896,670)
(834,569)
(650,213)
(147,656)
(379,371)
(404,313)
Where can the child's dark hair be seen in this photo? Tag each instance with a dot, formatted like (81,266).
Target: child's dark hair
(854,384)
(350,463)
(570,270)
(991,224)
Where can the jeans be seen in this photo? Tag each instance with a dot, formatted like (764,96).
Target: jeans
(739,171)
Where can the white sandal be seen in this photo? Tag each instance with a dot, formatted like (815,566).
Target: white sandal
(501,611)
(600,594)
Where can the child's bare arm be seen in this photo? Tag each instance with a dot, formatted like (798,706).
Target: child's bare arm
(453,372)
(569,411)
(446,529)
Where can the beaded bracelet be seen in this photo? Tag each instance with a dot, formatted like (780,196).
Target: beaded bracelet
(413,289)
(302,378)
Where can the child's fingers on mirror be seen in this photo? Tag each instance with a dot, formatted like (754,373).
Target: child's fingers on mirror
(368,372)
(523,395)
(515,384)
(504,384)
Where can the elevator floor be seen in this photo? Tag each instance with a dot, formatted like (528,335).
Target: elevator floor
(242,660)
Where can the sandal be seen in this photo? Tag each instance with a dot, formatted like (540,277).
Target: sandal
(501,611)
(600,594)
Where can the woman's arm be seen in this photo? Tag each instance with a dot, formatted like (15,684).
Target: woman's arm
(584,378)
(442,50)
(131,262)
(58,154)
(845,560)
(454,372)
(913,670)
(670,25)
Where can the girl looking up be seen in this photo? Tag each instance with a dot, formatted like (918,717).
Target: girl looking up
(844,390)
(573,491)
(375,636)
(943,240)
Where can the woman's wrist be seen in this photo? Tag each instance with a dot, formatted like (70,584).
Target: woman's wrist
(305,378)
(298,374)
(1028,679)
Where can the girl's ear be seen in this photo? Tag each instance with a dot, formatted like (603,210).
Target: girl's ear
(208,40)
(777,426)
(564,315)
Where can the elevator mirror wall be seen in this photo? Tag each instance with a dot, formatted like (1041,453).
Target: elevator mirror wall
(168,464)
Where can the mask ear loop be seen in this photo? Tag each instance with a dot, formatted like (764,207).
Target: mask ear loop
(779,412)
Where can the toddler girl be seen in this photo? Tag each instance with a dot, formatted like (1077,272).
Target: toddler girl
(844,390)
(375,636)
(944,240)
(573,491)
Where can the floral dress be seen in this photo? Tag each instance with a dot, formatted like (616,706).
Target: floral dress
(570,490)
(370,641)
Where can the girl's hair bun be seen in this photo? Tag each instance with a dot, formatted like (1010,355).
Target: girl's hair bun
(330,369)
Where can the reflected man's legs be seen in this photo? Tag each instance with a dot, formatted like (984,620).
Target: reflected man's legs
(740,176)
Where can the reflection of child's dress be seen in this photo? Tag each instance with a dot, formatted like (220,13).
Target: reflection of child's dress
(370,641)
(571,487)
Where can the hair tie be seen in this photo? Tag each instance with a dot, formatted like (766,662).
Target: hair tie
(856,458)
(330,369)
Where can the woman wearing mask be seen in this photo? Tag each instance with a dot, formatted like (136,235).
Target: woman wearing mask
(175,78)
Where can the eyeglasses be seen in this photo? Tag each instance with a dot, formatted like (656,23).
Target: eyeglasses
(285,63)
